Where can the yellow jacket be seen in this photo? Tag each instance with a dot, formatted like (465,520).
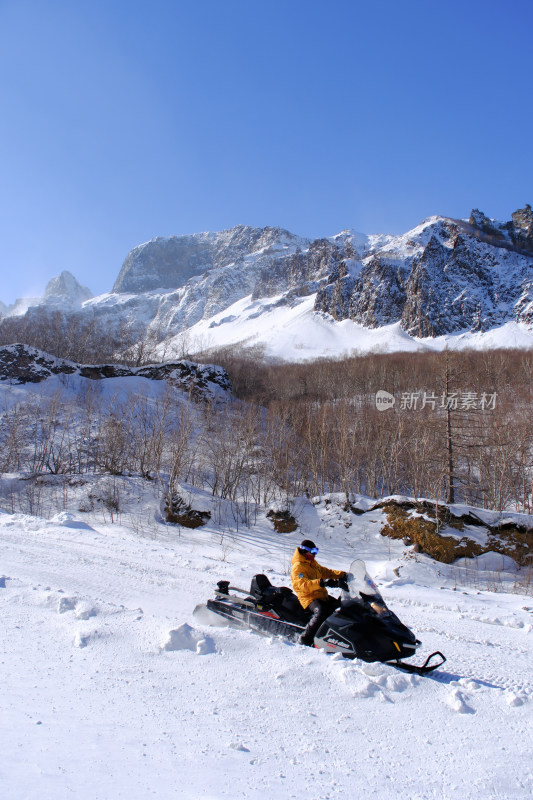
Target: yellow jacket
(306,576)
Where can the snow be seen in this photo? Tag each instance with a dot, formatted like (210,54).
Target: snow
(295,332)
(113,688)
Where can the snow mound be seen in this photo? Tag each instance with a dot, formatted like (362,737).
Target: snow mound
(495,561)
(238,746)
(68,520)
(374,680)
(66,604)
(456,700)
(515,699)
(187,638)
(81,639)
(85,611)
(82,609)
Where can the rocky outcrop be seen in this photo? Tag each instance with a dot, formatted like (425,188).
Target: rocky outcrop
(378,295)
(334,298)
(522,233)
(303,270)
(21,364)
(517,234)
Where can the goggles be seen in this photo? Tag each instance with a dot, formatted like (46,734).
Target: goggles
(312,550)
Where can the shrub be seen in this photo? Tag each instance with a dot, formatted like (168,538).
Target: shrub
(178,512)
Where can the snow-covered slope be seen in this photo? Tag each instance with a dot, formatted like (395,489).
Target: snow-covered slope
(112,688)
(294,331)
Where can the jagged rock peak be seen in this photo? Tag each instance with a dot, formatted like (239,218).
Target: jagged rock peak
(62,292)
(65,289)
(515,234)
(523,221)
(20,363)
(169,262)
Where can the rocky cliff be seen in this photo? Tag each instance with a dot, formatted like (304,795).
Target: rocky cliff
(168,263)
(444,276)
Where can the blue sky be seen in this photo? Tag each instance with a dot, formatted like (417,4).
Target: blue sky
(121,121)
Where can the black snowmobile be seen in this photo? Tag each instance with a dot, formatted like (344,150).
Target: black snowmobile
(362,627)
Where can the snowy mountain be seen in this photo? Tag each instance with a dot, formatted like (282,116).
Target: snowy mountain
(168,263)
(443,278)
(62,293)
(167,285)
(446,282)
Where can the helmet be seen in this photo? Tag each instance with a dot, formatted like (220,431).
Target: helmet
(307,546)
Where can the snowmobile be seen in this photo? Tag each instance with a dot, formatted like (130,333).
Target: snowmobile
(362,627)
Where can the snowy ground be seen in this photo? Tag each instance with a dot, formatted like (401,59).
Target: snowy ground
(94,707)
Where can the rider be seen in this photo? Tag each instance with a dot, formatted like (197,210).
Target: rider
(308,580)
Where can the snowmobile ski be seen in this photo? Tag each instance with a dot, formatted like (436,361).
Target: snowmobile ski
(422,669)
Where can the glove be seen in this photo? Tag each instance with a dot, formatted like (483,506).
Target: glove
(342,583)
(333,584)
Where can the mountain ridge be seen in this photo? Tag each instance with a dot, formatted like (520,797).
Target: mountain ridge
(442,278)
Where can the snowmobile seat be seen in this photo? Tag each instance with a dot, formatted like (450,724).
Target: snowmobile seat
(263,592)
(260,584)
(282,599)
(291,609)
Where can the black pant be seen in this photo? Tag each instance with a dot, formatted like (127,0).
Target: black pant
(321,610)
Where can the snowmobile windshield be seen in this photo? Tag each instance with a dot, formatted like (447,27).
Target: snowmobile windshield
(361,586)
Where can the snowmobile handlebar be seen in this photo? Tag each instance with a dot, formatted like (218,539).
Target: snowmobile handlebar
(339,583)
